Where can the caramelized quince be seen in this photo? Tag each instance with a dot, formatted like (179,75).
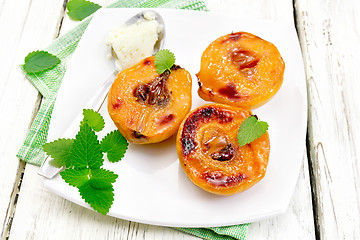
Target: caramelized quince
(240,69)
(210,154)
(147,107)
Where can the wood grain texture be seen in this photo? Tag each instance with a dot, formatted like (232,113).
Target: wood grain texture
(22,30)
(43,215)
(330,34)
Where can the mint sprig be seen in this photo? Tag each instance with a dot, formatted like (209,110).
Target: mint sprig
(80,9)
(250,129)
(39,61)
(164,60)
(82,159)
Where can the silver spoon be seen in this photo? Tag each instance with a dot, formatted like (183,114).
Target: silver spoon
(47,169)
(157,17)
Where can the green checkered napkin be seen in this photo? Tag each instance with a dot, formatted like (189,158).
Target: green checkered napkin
(48,83)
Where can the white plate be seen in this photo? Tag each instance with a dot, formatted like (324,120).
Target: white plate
(152,187)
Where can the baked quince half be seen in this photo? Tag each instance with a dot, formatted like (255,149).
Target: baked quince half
(210,155)
(240,69)
(148,107)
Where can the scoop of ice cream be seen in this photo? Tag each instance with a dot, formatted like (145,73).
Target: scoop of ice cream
(132,43)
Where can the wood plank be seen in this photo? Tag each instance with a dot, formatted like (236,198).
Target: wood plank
(22,31)
(330,35)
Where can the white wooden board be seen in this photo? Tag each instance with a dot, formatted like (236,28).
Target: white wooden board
(43,215)
(22,29)
(330,35)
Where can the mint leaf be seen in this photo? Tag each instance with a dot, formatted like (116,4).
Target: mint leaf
(93,119)
(83,158)
(39,61)
(80,9)
(59,150)
(102,178)
(164,60)
(99,199)
(76,177)
(250,129)
(86,150)
(115,145)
